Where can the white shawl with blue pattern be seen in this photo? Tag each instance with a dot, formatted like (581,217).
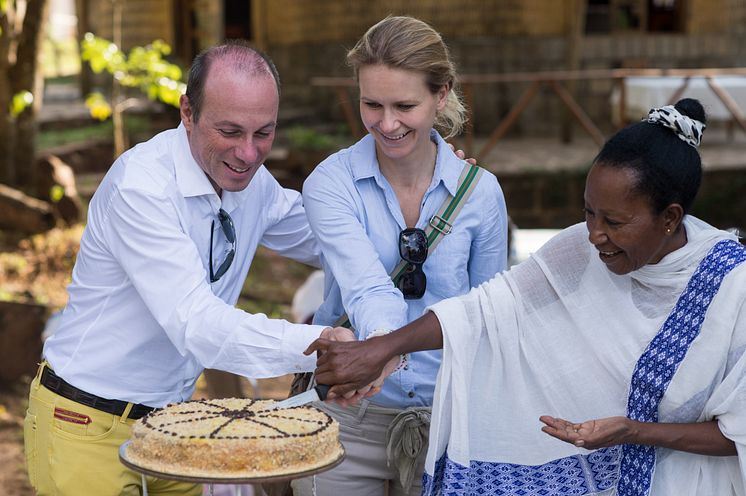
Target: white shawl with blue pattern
(561,335)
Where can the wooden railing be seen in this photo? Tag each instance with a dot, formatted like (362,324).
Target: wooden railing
(556,80)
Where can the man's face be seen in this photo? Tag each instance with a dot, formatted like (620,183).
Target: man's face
(236,126)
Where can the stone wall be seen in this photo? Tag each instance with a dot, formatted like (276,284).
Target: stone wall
(555,199)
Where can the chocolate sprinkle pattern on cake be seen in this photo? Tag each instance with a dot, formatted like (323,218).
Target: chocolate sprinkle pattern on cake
(234,438)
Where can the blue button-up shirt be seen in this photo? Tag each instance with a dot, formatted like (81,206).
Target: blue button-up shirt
(355,214)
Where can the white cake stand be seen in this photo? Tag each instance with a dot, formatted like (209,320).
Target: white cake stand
(210,481)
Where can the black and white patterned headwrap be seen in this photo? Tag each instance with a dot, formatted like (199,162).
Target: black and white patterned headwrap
(686,128)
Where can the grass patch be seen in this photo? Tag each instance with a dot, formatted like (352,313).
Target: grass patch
(135,125)
(56,137)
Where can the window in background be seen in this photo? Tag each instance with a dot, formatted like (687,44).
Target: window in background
(619,16)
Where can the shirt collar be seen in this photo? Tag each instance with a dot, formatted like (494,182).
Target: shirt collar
(192,180)
(447,165)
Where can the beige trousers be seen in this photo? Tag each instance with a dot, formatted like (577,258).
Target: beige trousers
(364,471)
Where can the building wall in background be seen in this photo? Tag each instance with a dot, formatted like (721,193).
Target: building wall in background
(142,21)
(308,39)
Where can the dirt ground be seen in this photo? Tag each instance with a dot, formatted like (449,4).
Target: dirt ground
(13,480)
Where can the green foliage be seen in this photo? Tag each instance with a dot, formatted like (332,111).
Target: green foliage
(143,68)
(306,138)
(56,193)
(98,105)
(20,101)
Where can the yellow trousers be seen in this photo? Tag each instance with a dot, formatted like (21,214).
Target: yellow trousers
(73,450)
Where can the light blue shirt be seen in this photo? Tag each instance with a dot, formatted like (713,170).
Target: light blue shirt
(356,217)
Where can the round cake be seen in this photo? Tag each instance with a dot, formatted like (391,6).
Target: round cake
(234,438)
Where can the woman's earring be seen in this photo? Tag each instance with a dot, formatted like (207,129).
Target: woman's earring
(668,230)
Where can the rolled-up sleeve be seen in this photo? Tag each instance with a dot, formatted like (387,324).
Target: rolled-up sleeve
(144,233)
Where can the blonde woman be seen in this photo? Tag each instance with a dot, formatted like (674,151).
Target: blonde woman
(369,205)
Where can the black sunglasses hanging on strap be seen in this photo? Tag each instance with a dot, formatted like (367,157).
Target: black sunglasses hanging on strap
(408,274)
(414,246)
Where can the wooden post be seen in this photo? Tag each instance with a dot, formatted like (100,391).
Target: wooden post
(728,101)
(509,119)
(259,24)
(578,112)
(576,29)
(350,116)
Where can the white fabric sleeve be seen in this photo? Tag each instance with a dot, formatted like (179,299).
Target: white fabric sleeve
(489,251)
(290,235)
(144,234)
(728,400)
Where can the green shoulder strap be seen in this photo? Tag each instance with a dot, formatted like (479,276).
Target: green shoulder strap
(440,224)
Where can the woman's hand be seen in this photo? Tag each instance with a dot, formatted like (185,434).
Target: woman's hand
(349,366)
(353,397)
(591,434)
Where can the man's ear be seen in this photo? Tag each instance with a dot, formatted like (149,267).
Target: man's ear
(185,111)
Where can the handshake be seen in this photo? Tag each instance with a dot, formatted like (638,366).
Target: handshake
(355,369)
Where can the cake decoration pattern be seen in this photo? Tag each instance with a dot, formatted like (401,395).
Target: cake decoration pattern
(234,438)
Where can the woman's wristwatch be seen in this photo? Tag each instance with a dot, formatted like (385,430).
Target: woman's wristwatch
(403,358)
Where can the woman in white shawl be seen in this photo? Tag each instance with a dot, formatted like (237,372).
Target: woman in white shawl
(635,320)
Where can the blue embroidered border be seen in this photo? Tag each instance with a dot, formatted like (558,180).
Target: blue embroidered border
(659,362)
(572,475)
(631,466)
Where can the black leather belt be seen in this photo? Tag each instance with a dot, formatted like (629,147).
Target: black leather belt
(58,385)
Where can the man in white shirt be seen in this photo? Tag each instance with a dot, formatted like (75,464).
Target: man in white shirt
(171,234)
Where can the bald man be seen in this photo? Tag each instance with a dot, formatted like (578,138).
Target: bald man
(171,234)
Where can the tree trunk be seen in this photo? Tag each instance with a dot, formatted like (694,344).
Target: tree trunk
(6,92)
(82,9)
(27,75)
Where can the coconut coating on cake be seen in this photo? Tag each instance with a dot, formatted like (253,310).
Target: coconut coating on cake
(234,438)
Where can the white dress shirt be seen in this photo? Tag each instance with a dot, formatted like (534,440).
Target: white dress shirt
(142,319)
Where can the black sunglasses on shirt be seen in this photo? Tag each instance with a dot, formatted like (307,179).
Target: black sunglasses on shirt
(226,223)
(413,249)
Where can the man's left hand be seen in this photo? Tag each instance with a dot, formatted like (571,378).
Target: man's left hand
(337,334)
(460,154)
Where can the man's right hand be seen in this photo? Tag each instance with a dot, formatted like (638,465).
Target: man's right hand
(351,366)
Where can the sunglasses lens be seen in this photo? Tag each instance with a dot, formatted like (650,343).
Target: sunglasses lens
(223,267)
(227,224)
(413,245)
(412,284)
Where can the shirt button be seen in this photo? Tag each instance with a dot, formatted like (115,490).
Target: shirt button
(410,394)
